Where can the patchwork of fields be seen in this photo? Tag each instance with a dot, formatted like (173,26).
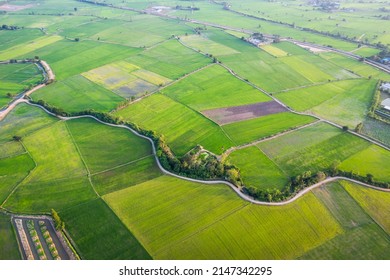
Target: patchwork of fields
(263,114)
(16,78)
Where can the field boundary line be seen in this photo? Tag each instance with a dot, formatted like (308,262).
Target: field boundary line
(21,181)
(368,214)
(212,223)
(273,161)
(159,89)
(121,165)
(51,76)
(213,182)
(271,137)
(82,158)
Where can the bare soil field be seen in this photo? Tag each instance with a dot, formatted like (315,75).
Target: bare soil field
(239,113)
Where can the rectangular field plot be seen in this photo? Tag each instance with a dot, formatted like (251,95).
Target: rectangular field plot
(125,176)
(12,172)
(17,37)
(55,154)
(20,51)
(183,220)
(257,170)
(302,138)
(264,70)
(213,87)
(11,149)
(22,121)
(182,127)
(112,75)
(377,130)
(117,147)
(42,196)
(350,107)
(355,66)
(170,59)
(373,160)
(159,225)
(126,79)
(94,223)
(151,77)
(274,50)
(375,203)
(207,45)
(76,94)
(312,72)
(134,33)
(254,129)
(68,58)
(315,156)
(240,113)
(362,237)
(8,243)
(305,98)
(16,78)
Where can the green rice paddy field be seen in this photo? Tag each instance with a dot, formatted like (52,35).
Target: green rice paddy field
(16,78)
(8,243)
(104,181)
(314,148)
(214,234)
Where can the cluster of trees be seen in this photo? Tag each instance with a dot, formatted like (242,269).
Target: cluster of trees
(58,223)
(9,27)
(306,179)
(55,110)
(296,184)
(187,8)
(202,165)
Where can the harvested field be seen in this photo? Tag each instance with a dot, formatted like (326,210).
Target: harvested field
(240,113)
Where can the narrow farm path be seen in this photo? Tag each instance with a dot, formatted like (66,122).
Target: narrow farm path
(213,182)
(287,107)
(238,191)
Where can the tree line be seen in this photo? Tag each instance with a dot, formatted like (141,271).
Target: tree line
(194,164)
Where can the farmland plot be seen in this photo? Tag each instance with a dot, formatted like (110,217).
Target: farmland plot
(168,230)
(76,94)
(213,87)
(362,237)
(249,130)
(182,127)
(170,59)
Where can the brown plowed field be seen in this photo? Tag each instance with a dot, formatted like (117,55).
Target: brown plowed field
(239,113)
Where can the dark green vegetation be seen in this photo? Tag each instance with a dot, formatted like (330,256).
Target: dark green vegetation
(99,234)
(8,244)
(158,76)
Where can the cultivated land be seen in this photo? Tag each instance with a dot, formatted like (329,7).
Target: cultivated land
(8,243)
(16,78)
(213,87)
(182,127)
(213,239)
(77,94)
(191,77)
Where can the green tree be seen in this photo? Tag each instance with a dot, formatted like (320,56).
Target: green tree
(58,223)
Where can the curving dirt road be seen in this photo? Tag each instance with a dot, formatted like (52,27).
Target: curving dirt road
(49,75)
(213,182)
(233,187)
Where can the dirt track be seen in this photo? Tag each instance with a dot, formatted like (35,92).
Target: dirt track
(233,187)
